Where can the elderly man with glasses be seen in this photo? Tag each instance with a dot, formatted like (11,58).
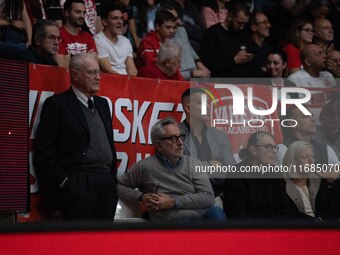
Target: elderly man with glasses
(167,183)
(45,44)
(74,149)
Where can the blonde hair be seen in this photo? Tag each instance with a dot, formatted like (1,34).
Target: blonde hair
(290,155)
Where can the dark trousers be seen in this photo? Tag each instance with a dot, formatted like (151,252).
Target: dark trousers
(89,195)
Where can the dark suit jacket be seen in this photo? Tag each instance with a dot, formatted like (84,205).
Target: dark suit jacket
(256,198)
(63,136)
(324,197)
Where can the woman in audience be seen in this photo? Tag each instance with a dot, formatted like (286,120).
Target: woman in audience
(301,35)
(276,64)
(256,197)
(276,68)
(15,24)
(312,196)
(214,12)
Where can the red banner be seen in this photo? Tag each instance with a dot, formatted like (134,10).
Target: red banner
(136,104)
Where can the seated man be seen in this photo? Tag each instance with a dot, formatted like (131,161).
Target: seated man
(167,64)
(333,63)
(165,28)
(73,39)
(167,183)
(324,34)
(45,44)
(208,144)
(114,49)
(329,130)
(304,131)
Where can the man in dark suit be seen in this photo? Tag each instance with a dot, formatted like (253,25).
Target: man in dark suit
(208,144)
(74,147)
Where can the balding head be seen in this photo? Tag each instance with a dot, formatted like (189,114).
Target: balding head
(313,56)
(85,73)
(323,30)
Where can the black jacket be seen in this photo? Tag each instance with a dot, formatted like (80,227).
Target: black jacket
(63,136)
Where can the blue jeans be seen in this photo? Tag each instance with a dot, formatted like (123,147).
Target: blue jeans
(214,214)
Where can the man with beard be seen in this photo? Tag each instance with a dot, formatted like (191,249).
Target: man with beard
(73,40)
(222,50)
(114,50)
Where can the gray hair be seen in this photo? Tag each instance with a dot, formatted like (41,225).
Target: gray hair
(158,129)
(290,155)
(39,28)
(78,62)
(169,50)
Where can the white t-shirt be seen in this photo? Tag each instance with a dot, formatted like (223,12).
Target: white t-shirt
(303,79)
(116,52)
(318,98)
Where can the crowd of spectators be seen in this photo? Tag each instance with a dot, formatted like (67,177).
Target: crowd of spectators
(184,39)
(220,38)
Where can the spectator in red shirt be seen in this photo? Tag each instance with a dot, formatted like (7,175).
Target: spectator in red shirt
(167,64)
(301,35)
(74,40)
(165,28)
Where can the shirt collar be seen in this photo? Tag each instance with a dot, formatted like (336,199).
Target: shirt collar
(81,97)
(166,163)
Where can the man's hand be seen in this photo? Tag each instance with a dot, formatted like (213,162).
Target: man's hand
(201,73)
(243,57)
(157,202)
(332,66)
(150,200)
(215,163)
(165,202)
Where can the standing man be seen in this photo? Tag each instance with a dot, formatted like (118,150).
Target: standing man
(73,39)
(165,28)
(208,144)
(74,148)
(114,50)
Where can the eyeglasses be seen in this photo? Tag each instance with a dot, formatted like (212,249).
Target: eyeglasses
(307,30)
(269,147)
(94,73)
(174,138)
(52,37)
